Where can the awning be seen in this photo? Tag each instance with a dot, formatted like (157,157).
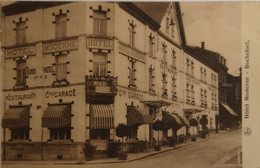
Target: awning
(171,120)
(137,116)
(192,110)
(184,121)
(229,109)
(101,116)
(16,117)
(156,103)
(57,116)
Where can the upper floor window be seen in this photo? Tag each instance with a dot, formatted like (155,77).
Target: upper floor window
(151,45)
(164,81)
(187,66)
(151,80)
(99,64)
(21,32)
(173,58)
(100,22)
(132,71)
(61,25)
(174,93)
(61,67)
(201,73)
(21,73)
(164,50)
(192,68)
(132,33)
(205,75)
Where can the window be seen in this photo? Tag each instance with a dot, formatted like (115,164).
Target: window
(21,32)
(20,134)
(205,97)
(188,93)
(151,79)
(164,81)
(21,73)
(164,50)
(99,64)
(173,58)
(151,45)
(132,73)
(99,134)
(167,26)
(61,68)
(61,25)
(174,93)
(132,33)
(100,22)
(187,66)
(205,75)
(133,132)
(60,133)
(202,97)
(192,68)
(201,73)
(192,92)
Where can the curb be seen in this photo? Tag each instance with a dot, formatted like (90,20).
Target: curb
(119,161)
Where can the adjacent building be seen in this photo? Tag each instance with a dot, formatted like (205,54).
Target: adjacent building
(74,70)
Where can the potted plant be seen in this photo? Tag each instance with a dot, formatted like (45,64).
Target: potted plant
(122,130)
(157,126)
(89,151)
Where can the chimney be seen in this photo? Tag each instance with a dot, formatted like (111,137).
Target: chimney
(202,45)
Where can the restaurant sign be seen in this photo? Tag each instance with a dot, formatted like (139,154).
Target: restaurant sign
(133,53)
(99,43)
(20,51)
(57,46)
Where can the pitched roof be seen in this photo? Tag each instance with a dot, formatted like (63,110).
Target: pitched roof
(154,10)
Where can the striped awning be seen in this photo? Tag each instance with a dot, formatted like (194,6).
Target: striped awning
(16,117)
(184,121)
(229,110)
(57,116)
(171,120)
(101,116)
(137,116)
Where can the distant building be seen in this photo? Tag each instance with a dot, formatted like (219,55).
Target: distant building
(228,114)
(74,70)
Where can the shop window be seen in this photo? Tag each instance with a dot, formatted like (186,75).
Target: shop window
(151,80)
(61,68)
(21,32)
(60,133)
(21,73)
(99,64)
(132,72)
(133,132)
(20,134)
(98,134)
(61,25)
(100,22)
(151,45)
(132,33)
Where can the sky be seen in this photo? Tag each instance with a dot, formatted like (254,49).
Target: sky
(219,25)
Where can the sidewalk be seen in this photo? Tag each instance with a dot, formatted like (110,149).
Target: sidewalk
(131,156)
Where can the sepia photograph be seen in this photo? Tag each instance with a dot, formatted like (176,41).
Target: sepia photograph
(123,84)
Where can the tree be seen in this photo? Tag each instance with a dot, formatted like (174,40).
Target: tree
(122,130)
(158,126)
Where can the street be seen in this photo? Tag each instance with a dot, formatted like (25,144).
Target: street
(216,152)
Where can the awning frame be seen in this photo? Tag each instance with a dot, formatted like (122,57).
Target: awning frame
(101,117)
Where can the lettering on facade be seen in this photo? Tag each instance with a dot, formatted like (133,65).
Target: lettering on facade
(60,46)
(100,43)
(130,94)
(40,77)
(126,50)
(48,69)
(30,71)
(20,51)
(10,97)
(166,68)
(64,93)
(196,82)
